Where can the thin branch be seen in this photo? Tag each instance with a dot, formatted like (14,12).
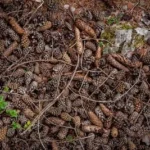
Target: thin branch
(54,101)
(34,13)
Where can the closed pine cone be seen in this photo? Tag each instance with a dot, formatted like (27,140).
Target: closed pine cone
(3,132)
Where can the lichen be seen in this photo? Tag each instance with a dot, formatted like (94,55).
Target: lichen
(138,41)
(126,26)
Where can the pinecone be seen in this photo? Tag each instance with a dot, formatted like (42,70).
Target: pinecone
(120,88)
(57,53)
(76,121)
(6,120)
(44,131)
(97,14)
(54,120)
(77,103)
(62,133)
(40,47)
(25,42)
(101,96)
(13,35)
(3,132)
(3,26)
(146,59)
(27,100)
(2,46)
(28,77)
(91,46)
(10,132)
(47,35)
(65,116)
(22,119)
(18,73)
(33,86)
(56,111)
(19,104)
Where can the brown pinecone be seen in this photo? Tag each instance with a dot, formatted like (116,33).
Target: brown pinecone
(77,103)
(62,133)
(3,26)
(65,116)
(25,42)
(94,119)
(47,25)
(54,145)
(55,120)
(6,120)
(3,132)
(16,26)
(22,119)
(40,47)
(120,88)
(146,59)
(27,100)
(47,35)
(2,45)
(12,85)
(18,73)
(56,111)
(97,14)
(10,49)
(77,121)
(29,113)
(19,104)
(28,77)
(57,53)
(44,131)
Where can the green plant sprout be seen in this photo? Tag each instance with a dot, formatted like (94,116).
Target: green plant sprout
(113,20)
(101,44)
(6,89)
(3,103)
(16,125)
(69,138)
(12,113)
(27,124)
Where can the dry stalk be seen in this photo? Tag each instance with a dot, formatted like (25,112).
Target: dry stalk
(39,135)
(12,67)
(90,99)
(42,2)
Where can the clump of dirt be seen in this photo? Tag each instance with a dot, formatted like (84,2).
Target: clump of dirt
(60,89)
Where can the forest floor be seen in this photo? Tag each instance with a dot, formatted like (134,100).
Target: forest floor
(74,74)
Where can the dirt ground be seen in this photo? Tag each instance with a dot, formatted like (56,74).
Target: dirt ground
(74,75)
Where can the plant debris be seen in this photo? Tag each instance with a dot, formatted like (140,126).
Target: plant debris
(74,75)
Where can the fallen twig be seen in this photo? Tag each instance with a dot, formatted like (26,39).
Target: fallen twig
(53,102)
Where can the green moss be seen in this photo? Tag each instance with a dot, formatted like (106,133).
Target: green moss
(108,34)
(126,27)
(139,41)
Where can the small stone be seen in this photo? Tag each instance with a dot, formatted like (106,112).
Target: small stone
(123,36)
(66,6)
(125,7)
(72,9)
(146,139)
